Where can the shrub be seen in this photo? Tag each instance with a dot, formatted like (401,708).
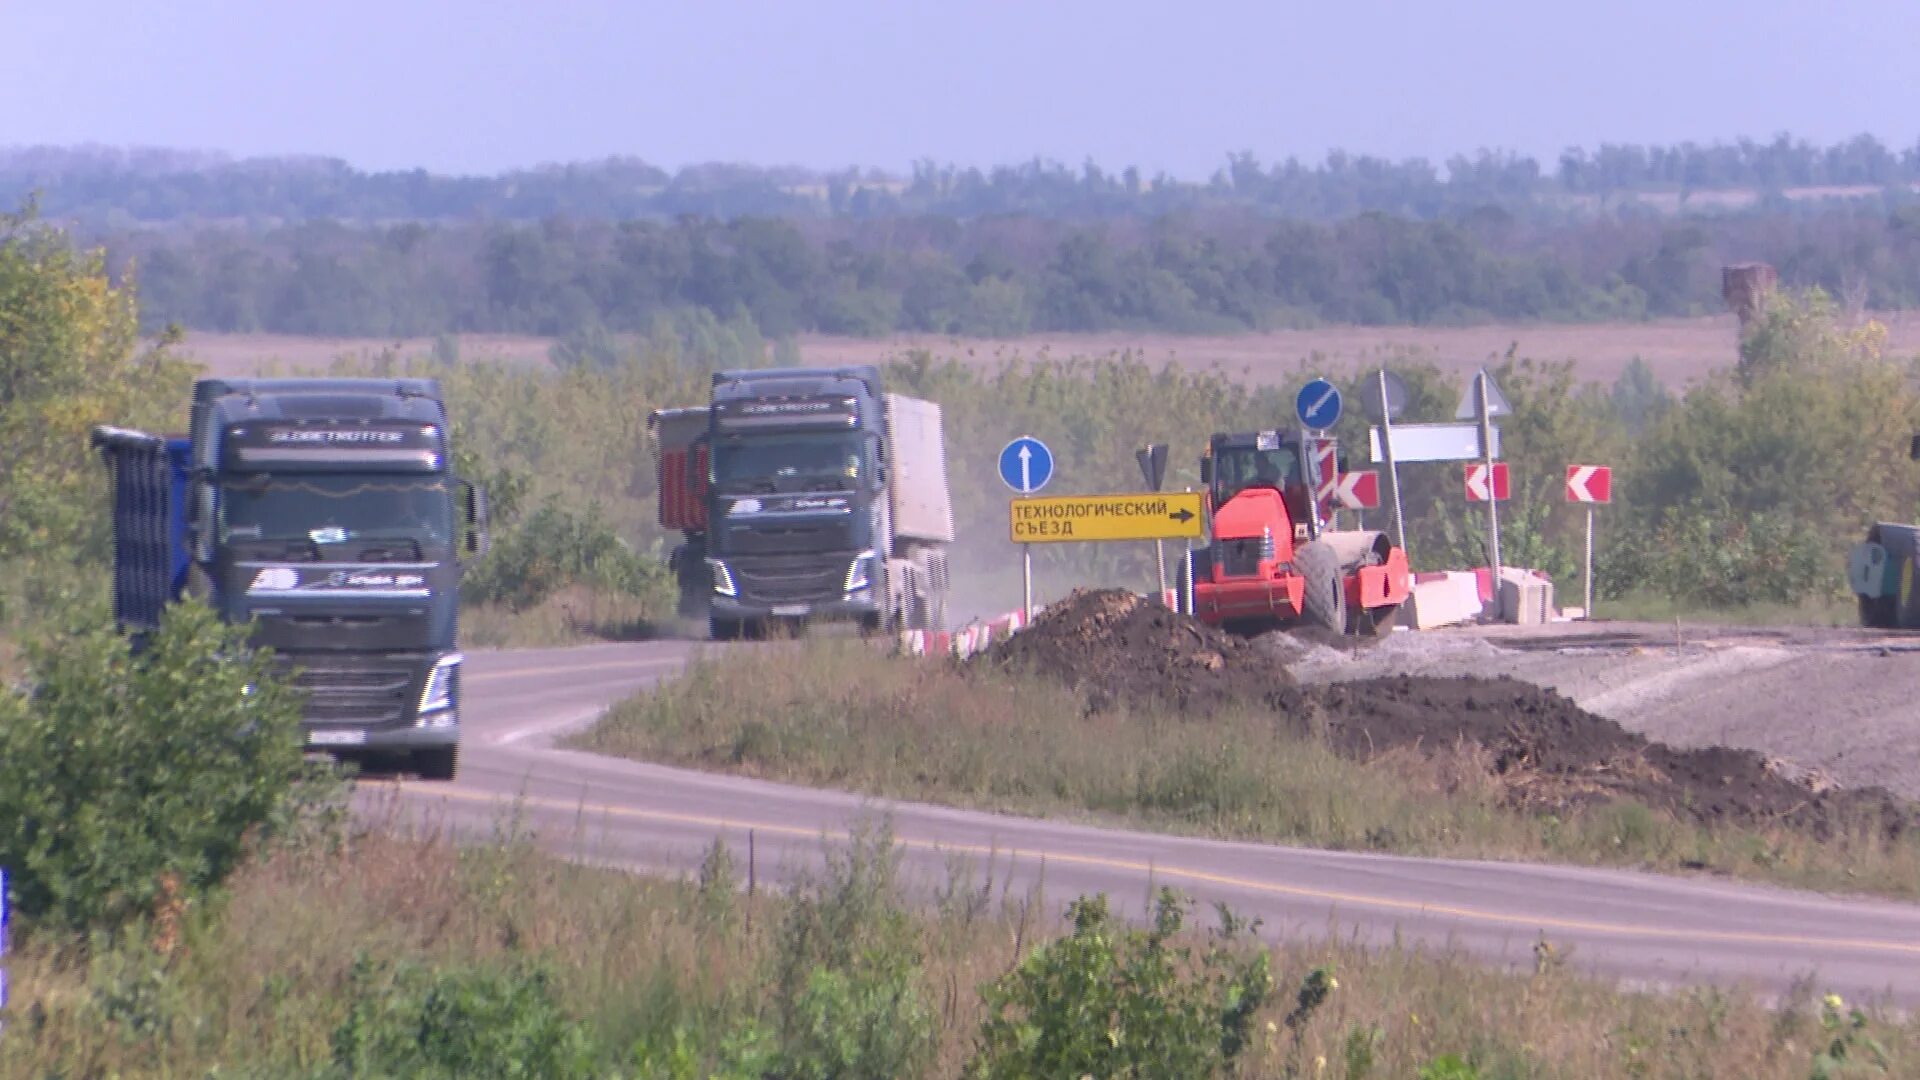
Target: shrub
(847,984)
(1104,1001)
(122,775)
(468,1021)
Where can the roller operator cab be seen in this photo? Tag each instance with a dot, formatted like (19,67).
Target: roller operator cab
(806,494)
(1269,562)
(325,514)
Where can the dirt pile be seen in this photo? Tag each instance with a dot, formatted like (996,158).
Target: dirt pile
(1118,647)
(1547,753)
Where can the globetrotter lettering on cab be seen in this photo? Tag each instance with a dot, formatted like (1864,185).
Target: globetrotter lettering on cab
(322,435)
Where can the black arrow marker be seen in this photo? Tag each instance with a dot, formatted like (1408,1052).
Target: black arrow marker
(1184,515)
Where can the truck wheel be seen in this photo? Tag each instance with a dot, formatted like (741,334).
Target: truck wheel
(1326,593)
(719,629)
(438,763)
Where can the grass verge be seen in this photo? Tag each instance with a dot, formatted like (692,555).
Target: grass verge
(833,713)
(397,953)
(572,616)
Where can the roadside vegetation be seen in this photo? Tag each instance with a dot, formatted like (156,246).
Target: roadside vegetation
(1732,498)
(394,952)
(832,713)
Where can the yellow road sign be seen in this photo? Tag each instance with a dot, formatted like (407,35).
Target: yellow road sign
(1069,518)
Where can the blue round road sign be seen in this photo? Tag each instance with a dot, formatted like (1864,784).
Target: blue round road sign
(1026,464)
(1318,405)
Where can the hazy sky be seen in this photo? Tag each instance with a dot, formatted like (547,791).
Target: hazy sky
(483,85)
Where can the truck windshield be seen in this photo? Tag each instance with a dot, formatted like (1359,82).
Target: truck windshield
(335,508)
(773,463)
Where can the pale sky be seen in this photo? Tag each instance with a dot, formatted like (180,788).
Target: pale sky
(487,85)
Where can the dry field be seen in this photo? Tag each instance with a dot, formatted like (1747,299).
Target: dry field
(1680,350)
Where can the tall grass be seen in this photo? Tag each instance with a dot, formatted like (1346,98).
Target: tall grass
(309,952)
(834,713)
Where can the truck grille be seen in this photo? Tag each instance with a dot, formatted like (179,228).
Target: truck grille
(794,579)
(366,692)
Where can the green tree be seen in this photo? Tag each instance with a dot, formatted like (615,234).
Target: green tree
(120,773)
(69,359)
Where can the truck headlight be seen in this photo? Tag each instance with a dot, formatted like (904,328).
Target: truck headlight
(722,578)
(860,570)
(442,684)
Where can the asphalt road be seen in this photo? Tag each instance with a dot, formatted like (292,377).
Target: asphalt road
(1642,929)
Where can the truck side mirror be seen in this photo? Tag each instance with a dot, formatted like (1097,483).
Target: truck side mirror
(1206,471)
(477,540)
(201,530)
(1913,451)
(1340,462)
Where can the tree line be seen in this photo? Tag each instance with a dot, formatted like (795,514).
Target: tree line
(1217,271)
(107,187)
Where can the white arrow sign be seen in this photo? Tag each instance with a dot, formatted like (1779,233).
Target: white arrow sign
(1589,484)
(1358,490)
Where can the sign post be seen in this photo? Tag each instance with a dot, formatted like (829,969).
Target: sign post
(1318,406)
(1390,396)
(1589,484)
(1153,469)
(1025,466)
(1480,403)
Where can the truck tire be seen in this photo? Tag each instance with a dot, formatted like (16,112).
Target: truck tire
(1326,593)
(439,763)
(719,629)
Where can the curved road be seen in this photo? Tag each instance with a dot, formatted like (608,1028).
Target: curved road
(1643,929)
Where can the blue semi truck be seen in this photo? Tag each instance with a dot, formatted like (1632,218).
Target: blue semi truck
(325,513)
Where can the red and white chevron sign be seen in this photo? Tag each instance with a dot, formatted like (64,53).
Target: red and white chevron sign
(1589,484)
(1327,459)
(1358,490)
(1481,488)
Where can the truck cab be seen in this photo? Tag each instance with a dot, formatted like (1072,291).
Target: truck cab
(325,514)
(806,494)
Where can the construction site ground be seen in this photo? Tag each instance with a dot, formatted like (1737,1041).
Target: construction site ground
(1834,705)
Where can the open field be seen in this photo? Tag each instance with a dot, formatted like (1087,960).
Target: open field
(1679,350)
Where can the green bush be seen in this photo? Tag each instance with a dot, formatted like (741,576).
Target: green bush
(848,971)
(1110,1002)
(458,1022)
(124,775)
(556,548)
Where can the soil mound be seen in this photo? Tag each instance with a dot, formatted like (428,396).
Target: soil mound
(1118,647)
(1549,754)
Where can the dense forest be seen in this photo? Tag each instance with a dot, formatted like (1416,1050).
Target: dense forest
(1218,271)
(312,246)
(108,187)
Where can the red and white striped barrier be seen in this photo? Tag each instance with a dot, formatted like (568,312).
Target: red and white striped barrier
(972,638)
(978,635)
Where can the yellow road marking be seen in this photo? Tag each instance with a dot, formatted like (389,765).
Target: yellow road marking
(1206,877)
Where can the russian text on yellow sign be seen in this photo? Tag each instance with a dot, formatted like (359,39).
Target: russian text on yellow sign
(1068,518)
